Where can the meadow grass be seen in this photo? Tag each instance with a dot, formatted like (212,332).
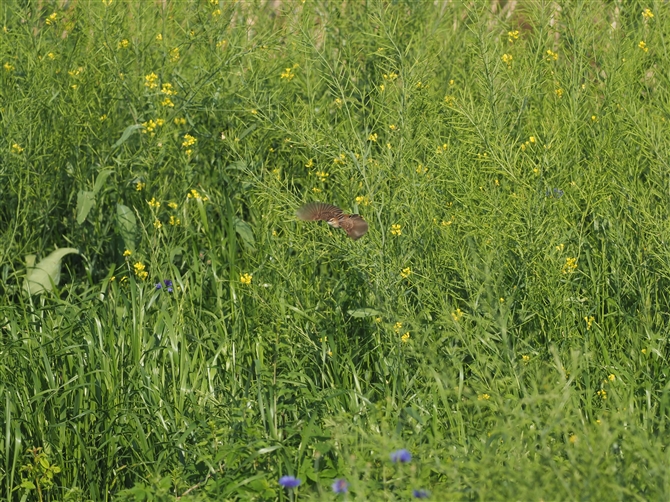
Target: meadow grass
(505,319)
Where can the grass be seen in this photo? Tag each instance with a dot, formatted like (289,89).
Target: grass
(505,319)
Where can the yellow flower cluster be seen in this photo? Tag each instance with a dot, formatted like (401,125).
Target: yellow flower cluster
(179,121)
(194,194)
(642,45)
(127,253)
(405,272)
(483,397)
(123,44)
(139,186)
(310,164)
(168,90)
(559,93)
(589,322)
(551,55)
(405,338)
(154,203)
(8,67)
(322,175)
(390,76)
(158,224)
(570,265)
(420,169)
(246,279)
(362,200)
(151,125)
(188,141)
(150,80)
(513,35)
(140,270)
(372,137)
(174,221)
(393,127)
(397,327)
(174,55)
(457,315)
(52,19)
(507,59)
(16,148)
(288,73)
(647,14)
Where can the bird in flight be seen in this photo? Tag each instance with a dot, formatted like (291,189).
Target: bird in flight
(353,224)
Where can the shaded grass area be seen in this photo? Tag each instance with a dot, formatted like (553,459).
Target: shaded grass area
(505,319)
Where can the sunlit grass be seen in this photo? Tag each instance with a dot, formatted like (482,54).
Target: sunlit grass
(504,320)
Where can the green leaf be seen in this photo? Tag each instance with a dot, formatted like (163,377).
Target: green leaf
(365,312)
(127,132)
(243,229)
(28,485)
(127,225)
(85,202)
(46,274)
(101,180)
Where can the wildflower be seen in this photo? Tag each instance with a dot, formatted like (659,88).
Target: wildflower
(221,43)
(611,377)
(216,13)
(405,337)
(397,327)
(179,121)
(372,137)
(150,80)
(396,230)
(551,55)
(167,102)
(602,393)
(642,45)
(570,265)
(154,203)
(405,272)
(483,397)
(390,76)
(139,186)
(245,279)
(16,148)
(159,37)
(363,200)
(316,190)
(158,224)
(421,493)
(194,194)
(310,164)
(127,252)
(123,44)
(103,117)
(525,358)
(402,456)
(107,3)
(340,486)
(559,92)
(507,59)
(51,56)
(51,19)
(421,170)
(647,14)
(513,35)
(172,205)
(457,315)
(532,139)
(594,118)
(288,73)
(338,102)
(159,285)
(8,67)
(174,54)
(573,438)
(174,221)
(393,127)
(382,87)
(322,175)
(188,141)
(388,145)
(289,482)
(502,300)
(168,89)
(140,270)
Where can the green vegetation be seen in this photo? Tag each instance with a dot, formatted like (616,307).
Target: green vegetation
(505,319)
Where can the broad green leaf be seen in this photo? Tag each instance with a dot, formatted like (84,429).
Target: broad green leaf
(127,225)
(127,132)
(245,232)
(46,273)
(101,180)
(85,202)
(365,312)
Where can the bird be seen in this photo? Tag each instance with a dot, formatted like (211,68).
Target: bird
(353,224)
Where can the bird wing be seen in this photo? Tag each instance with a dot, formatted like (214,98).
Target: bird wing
(354,225)
(315,211)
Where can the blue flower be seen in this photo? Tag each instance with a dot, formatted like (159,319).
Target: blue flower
(420,494)
(168,283)
(159,285)
(169,290)
(401,456)
(289,482)
(340,486)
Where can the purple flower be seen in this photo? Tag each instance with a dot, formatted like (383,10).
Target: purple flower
(168,283)
(420,494)
(402,456)
(159,285)
(289,482)
(169,290)
(340,486)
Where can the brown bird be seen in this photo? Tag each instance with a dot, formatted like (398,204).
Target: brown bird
(353,224)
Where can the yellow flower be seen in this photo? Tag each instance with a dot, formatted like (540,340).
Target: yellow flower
(188,141)
(107,3)
(611,377)
(51,56)
(507,59)
(602,393)
(174,221)
(397,327)
(150,80)
(168,89)
(405,272)
(316,190)
(483,397)
(8,67)
(559,92)
(245,279)
(393,127)
(372,137)
(216,13)
(457,315)
(421,170)
(52,18)
(221,43)
(525,358)
(154,203)
(16,148)
(159,37)
(532,139)
(551,55)
(194,194)
(123,44)
(103,117)
(139,186)
(405,338)
(179,121)
(174,54)
(642,45)
(382,87)
(363,200)
(513,35)
(647,14)
(589,322)
(594,118)
(338,102)
(287,74)
(396,230)
(570,265)
(140,270)
(172,205)
(310,164)
(390,76)
(167,102)
(573,439)
(452,82)
(158,224)
(322,175)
